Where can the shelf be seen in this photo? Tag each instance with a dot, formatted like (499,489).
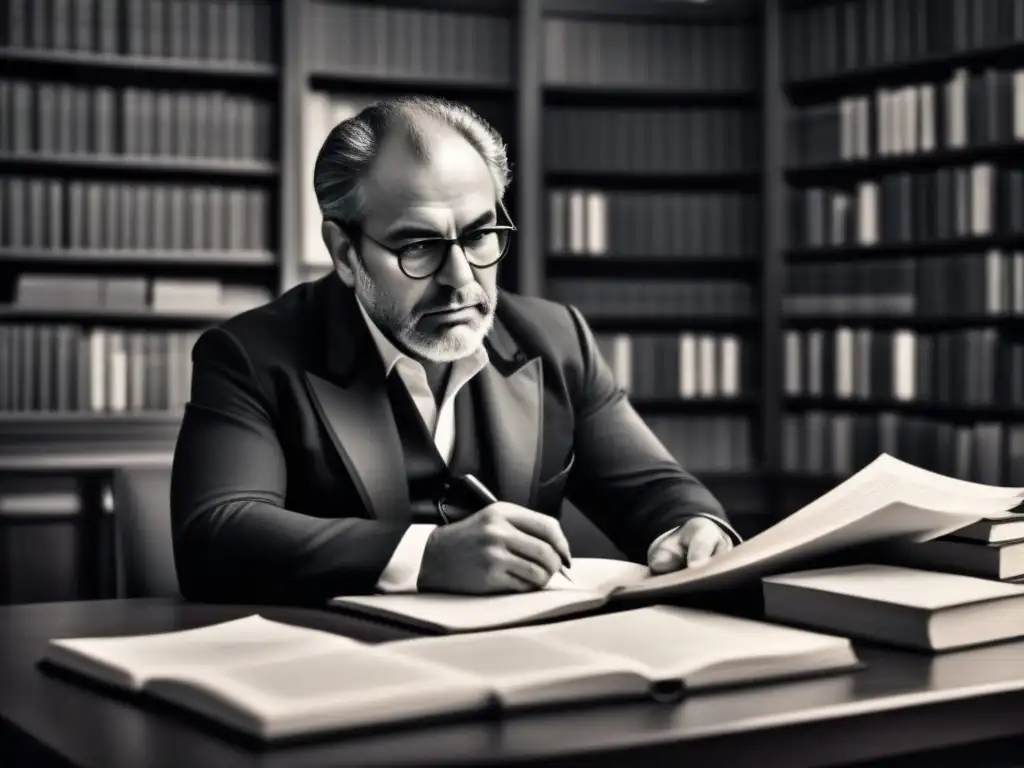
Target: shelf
(123,165)
(692,406)
(84,440)
(941,411)
(833,174)
(669,181)
(139,258)
(101,316)
(607,95)
(659,10)
(143,65)
(580,264)
(917,322)
(390,85)
(634,324)
(919,249)
(931,68)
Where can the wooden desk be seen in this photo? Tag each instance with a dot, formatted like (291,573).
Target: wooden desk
(904,702)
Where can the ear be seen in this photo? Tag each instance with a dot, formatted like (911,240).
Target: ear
(339,247)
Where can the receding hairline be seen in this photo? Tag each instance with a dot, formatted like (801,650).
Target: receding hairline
(355,145)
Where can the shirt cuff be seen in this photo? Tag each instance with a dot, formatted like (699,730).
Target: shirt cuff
(729,531)
(403,569)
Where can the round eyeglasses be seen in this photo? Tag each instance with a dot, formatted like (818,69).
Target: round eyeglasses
(482,246)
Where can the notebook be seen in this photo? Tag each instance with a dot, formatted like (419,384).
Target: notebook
(888,500)
(274,681)
(999,560)
(924,610)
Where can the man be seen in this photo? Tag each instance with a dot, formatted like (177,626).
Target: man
(321,451)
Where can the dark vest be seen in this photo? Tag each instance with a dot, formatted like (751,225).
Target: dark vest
(425,469)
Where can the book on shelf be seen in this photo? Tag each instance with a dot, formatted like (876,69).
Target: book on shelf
(909,607)
(237,31)
(275,681)
(888,500)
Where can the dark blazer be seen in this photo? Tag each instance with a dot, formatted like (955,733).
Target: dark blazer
(288,482)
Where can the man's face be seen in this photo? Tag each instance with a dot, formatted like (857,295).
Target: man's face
(407,199)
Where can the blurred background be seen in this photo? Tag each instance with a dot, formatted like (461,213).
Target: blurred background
(794,226)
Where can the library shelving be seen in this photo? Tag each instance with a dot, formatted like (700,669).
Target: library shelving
(903,290)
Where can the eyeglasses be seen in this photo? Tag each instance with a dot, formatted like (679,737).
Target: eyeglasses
(483,247)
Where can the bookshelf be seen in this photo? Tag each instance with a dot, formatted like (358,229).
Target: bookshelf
(904,282)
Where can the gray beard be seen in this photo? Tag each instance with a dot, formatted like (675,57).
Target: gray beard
(455,344)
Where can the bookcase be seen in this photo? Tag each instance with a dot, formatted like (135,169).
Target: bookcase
(157,176)
(904,272)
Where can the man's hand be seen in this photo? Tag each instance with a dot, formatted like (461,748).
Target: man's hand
(691,544)
(501,548)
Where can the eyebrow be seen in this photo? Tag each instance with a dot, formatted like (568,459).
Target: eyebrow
(410,231)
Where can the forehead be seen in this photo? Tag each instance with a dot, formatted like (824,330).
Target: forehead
(451,177)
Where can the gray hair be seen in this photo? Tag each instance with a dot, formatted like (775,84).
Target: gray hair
(352,145)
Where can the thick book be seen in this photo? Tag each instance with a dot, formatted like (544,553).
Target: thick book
(274,681)
(888,500)
(918,609)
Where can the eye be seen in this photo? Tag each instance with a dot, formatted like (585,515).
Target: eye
(418,249)
(476,237)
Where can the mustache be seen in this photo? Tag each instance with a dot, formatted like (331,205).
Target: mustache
(460,301)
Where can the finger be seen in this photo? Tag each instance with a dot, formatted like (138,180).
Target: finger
(723,545)
(702,546)
(540,526)
(669,555)
(535,576)
(533,549)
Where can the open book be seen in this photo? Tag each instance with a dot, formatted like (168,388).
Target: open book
(888,500)
(276,681)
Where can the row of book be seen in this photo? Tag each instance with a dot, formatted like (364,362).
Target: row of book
(218,30)
(949,203)
(623,298)
(66,118)
(683,366)
(838,444)
(991,284)
(968,367)
(56,214)
(65,369)
(968,109)
(713,444)
(375,40)
(684,57)
(655,141)
(849,35)
(202,297)
(665,224)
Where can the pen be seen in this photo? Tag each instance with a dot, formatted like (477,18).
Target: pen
(485,494)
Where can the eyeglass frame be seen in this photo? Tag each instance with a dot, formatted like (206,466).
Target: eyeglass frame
(352,229)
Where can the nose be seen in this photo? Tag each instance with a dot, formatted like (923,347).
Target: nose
(456,271)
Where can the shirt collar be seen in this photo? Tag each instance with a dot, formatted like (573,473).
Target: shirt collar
(391,355)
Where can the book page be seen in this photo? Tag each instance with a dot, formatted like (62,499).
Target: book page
(598,574)
(318,691)
(465,613)
(130,660)
(795,540)
(672,643)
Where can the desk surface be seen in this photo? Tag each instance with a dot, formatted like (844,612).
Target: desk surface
(901,702)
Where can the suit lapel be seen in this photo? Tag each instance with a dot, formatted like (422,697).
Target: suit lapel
(511,390)
(355,410)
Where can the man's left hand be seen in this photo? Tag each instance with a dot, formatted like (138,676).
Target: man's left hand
(691,544)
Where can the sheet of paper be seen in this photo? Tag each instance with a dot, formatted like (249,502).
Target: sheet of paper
(596,574)
(887,500)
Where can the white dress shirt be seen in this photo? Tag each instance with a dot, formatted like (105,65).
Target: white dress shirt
(403,569)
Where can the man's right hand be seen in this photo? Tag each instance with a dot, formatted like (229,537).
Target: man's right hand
(501,548)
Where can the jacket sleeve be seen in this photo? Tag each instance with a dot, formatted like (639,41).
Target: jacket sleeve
(234,540)
(624,479)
